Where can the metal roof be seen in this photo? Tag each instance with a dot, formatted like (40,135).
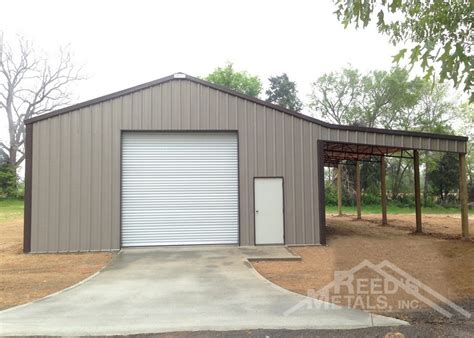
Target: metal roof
(181,76)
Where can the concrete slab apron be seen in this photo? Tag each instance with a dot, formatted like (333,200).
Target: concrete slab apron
(179,289)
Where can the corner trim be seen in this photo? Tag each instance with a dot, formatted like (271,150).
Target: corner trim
(28,188)
(321,193)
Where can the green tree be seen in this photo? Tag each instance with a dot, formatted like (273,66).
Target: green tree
(444,176)
(389,100)
(8,180)
(438,32)
(375,99)
(384,96)
(283,92)
(239,81)
(466,114)
(334,95)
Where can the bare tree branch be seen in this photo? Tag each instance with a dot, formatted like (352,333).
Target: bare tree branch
(31,85)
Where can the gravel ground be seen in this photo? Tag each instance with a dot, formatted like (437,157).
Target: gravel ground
(25,278)
(438,259)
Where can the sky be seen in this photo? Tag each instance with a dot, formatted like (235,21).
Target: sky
(124,43)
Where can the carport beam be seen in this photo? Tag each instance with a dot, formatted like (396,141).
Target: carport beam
(383,190)
(463,196)
(416,164)
(358,192)
(339,189)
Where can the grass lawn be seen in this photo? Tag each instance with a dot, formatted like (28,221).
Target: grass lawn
(10,209)
(376,209)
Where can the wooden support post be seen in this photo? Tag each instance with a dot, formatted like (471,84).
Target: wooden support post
(416,164)
(383,190)
(463,199)
(339,189)
(358,192)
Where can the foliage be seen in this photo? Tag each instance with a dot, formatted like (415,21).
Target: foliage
(8,180)
(466,113)
(432,112)
(444,176)
(374,99)
(20,191)
(370,178)
(404,201)
(283,92)
(384,95)
(383,99)
(335,94)
(394,101)
(370,199)
(439,33)
(239,81)
(331,194)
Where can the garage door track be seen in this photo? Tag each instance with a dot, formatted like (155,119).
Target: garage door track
(179,289)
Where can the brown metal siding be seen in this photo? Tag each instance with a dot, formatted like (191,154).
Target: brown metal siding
(76,162)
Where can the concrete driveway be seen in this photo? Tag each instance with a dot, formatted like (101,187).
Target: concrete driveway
(179,289)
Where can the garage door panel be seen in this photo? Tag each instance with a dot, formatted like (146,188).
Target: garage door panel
(179,188)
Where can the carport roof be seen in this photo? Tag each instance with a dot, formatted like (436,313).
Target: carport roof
(336,152)
(180,76)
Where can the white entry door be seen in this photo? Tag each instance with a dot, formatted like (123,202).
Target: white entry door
(269,210)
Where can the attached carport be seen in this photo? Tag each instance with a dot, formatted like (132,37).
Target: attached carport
(338,154)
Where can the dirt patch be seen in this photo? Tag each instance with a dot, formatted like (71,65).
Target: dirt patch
(24,278)
(441,226)
(447,266)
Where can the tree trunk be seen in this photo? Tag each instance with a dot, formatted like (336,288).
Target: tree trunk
(426,183)
(395,180)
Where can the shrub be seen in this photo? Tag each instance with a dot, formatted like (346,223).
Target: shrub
(20,192)
(404,201)
(370,199)
(8,181)
(430,202)
(331,195)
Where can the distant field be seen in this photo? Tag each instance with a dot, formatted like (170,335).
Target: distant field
(10,209)
(376,209)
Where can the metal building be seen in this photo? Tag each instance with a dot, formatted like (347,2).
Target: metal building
(183,161)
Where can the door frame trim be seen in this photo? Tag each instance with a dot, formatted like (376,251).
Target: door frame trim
(254,219)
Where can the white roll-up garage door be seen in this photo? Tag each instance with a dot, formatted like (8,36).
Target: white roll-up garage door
(179,188)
